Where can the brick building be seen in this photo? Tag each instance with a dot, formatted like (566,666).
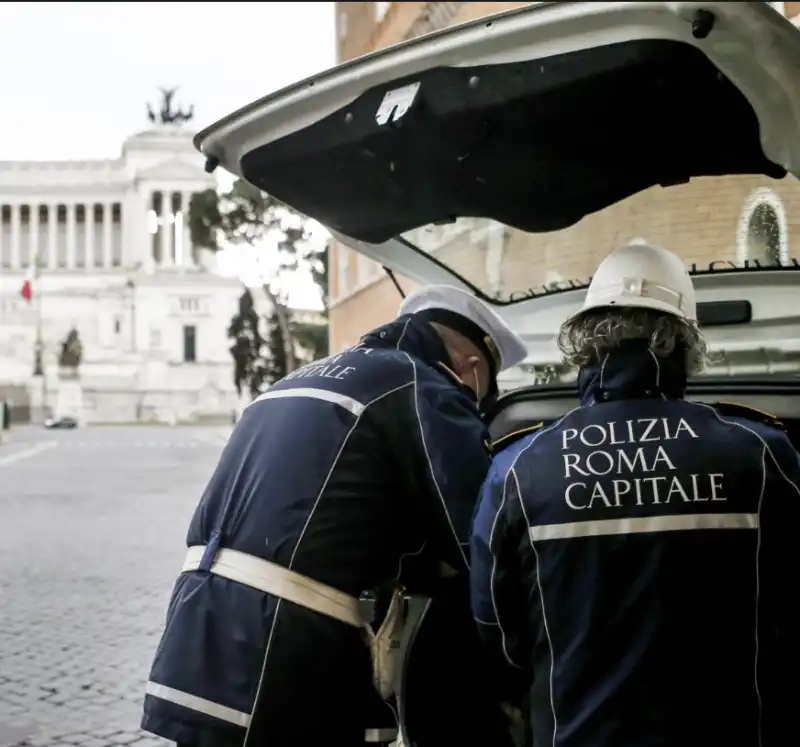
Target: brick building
(710,219)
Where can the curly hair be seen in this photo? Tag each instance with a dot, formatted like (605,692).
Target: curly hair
(590,336)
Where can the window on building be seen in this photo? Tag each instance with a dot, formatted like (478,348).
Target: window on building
(189,344)
(342,26)
(190,305)
(155,338)
(117,326)
(763,235)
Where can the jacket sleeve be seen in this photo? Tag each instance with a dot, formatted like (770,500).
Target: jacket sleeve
(787,464)
(497,591)
(780,516)
(444,449)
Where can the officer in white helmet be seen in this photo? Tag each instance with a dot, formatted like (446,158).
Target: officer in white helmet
(346,484)
(630,561)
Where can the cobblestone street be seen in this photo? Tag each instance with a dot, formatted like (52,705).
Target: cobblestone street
(93,524)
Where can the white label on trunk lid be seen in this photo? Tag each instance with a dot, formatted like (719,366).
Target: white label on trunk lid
(396,103)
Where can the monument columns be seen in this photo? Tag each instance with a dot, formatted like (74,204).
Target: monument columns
(16,262)
(167,229)
(71,236)
(108,234)
(34,254)
(88,235)
(52,235)
(188,252)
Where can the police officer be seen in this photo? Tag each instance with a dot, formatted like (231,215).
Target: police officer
(346,484)
(631,562)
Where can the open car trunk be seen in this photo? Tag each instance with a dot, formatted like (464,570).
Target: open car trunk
(534,119)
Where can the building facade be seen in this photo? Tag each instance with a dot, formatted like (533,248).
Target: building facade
(108,247)
(730,219)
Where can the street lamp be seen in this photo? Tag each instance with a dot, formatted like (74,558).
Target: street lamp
(38,368)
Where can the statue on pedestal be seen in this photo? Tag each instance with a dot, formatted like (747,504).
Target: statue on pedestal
(166,115)
(71,353)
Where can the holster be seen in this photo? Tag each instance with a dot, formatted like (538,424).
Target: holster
(385,644)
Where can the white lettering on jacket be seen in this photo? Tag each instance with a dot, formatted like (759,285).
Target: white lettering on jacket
(628,464)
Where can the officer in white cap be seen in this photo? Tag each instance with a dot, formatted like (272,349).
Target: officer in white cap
(452,309)
(345,485)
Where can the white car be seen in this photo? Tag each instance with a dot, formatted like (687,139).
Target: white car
(531,120)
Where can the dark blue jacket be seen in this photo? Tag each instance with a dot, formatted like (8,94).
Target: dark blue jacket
(352,471)
(631,567)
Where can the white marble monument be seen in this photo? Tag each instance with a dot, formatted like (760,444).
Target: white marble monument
(115,262)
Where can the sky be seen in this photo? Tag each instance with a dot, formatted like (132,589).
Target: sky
(77,76)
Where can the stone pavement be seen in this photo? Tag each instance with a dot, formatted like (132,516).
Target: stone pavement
(92,527)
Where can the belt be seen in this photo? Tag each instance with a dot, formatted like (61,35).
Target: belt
(280,582)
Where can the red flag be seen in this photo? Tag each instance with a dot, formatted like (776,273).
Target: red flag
(33,271)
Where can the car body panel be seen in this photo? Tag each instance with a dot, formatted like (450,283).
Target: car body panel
(535,118)
(755,47)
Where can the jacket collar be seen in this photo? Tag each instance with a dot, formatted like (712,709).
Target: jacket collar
(418,338)
(633,371)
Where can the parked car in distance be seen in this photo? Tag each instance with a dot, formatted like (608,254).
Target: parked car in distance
(63,422)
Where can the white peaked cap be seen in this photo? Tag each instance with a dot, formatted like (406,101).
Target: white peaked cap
(510,347)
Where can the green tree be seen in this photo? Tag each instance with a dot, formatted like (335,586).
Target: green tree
(244,215)
(275,364)
(247,347)
(257,348)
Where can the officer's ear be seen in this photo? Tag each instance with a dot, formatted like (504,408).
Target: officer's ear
(471,371)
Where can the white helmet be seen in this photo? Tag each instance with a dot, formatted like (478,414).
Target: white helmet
(642,276)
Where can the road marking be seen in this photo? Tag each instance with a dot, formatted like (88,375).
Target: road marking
(157,445)
(26,453)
